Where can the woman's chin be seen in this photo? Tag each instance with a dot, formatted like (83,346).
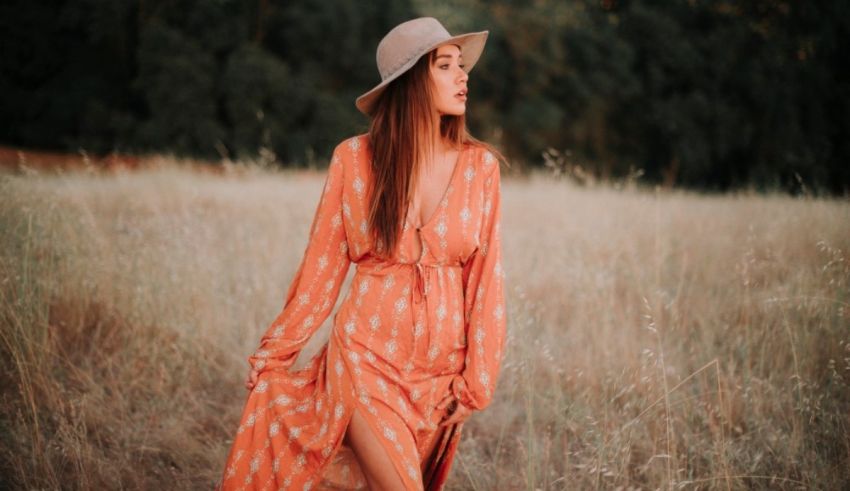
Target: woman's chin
(457,111)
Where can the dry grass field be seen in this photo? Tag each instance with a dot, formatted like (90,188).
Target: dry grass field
(657,339)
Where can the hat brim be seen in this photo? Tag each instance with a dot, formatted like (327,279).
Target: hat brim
(471,46)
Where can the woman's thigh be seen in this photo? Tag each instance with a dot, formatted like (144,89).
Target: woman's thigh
(373,454)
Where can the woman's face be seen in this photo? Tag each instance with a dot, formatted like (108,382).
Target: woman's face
(449,81)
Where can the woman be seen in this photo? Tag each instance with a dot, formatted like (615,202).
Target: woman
(415,203)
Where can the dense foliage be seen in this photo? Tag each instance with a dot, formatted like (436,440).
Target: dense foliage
(711,94)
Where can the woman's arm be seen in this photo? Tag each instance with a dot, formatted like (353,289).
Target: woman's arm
(315,287)
(484,303)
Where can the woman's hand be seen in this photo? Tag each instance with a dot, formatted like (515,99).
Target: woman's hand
(251,381)
(458,413)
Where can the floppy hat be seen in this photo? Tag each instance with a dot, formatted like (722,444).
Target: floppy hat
(402,47)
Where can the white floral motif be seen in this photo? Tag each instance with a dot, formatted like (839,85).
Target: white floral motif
(442,228)
(261,386)
(358,185)
(465,214)
(375,322)
(400,305)
(304,298)
(354,143)
(484,378)
(391,347)
(273,428)
(349,327)
(441,312)
(469,174)
(338,410)
(389,434)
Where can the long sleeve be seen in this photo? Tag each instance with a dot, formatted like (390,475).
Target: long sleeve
(484,303)
(316,284)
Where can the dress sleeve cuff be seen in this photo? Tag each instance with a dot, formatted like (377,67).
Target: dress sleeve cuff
(460,391)
(262,362)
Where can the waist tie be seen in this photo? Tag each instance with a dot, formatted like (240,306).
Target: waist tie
(421,278)
(420,271)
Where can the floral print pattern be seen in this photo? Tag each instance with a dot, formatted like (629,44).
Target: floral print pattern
(428,323)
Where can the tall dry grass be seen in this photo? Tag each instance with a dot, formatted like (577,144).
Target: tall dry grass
(657,340)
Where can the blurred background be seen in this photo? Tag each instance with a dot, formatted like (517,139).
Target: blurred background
(674,219)
(712,94)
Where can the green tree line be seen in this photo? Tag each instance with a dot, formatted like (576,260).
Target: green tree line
(707,94)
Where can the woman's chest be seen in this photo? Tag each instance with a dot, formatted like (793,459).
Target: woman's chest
(449,235)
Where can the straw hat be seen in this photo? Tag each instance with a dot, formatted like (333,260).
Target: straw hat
(402,47)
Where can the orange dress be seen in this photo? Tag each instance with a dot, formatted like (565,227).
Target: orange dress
(409,331)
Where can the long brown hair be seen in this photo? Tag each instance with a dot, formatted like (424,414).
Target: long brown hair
(400,138)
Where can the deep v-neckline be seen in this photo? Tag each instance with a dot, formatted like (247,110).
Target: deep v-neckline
(436,211)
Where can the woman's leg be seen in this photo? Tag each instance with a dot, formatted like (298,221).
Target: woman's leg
(376,465)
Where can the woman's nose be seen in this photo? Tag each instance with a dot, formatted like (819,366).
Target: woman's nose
(462,76)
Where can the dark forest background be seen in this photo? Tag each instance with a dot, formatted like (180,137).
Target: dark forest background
(705,94)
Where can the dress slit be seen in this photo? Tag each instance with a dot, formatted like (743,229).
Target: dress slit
(376,438)
(350,405)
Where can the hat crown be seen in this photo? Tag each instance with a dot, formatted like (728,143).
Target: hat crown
(406,41)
